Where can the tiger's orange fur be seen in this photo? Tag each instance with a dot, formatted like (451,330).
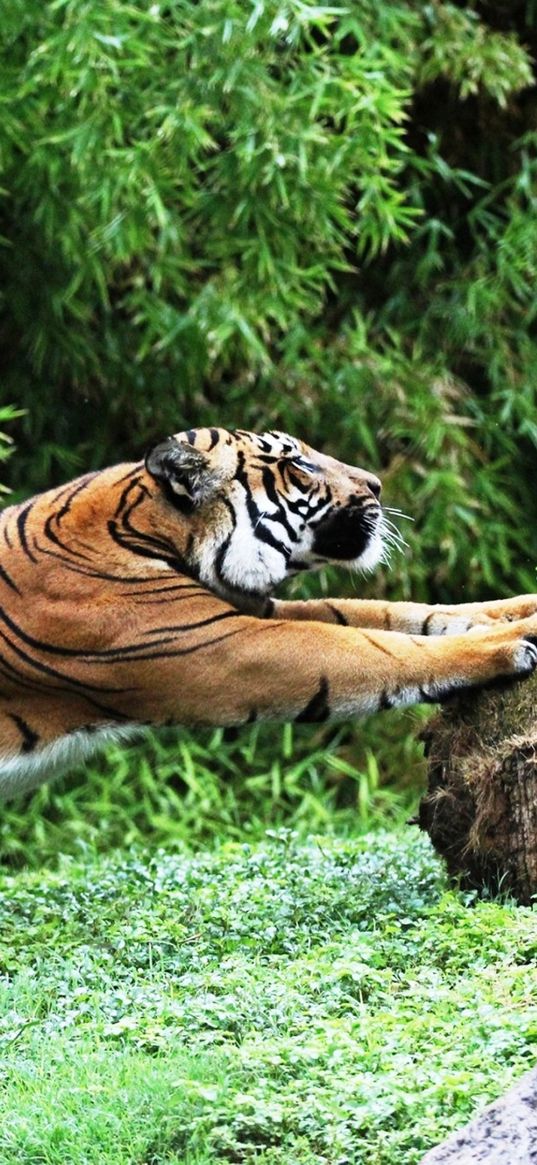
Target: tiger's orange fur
(141,595)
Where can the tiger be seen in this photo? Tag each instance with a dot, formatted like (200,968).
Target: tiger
(143,595)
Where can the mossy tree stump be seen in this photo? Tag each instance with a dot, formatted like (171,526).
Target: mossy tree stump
(480,809)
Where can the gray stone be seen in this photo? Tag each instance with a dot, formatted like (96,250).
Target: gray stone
(504,1134)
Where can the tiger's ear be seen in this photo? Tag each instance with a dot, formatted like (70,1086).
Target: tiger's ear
(183,472)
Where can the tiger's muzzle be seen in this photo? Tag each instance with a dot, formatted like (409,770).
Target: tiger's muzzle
(345,534)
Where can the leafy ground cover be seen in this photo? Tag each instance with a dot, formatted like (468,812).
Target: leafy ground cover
(281,1002)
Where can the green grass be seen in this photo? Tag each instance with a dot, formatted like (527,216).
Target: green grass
(285,1002)
(185,790)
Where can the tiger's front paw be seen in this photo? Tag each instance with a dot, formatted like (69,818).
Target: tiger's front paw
(526,656)
(506,610)
(514,647)
(509,651)
(462,617)
(484,659)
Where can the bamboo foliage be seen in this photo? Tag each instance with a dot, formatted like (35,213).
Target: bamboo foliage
(320,217)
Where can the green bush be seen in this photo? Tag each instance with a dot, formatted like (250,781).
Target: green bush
(275,213)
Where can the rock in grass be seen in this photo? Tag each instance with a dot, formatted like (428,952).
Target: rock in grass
(504,1134)
(480,809)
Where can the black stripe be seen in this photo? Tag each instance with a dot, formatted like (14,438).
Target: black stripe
(301,484)
(140,600)
(302,507)
(137,468)
(377,646)
(224,547)
(124,496)
(274,497)
(52,537)
(138,541)
(8,580)
(323,502)
(75,568)
(339,617)
(263,534)
(260,531)
(149,548)
(82,654)
(21,526)
(9,671)
(318,708)
(184,627)
(35,686)
(177,651)
(51,671)
(29,738)
(106,655)
(191,587)
(79,485)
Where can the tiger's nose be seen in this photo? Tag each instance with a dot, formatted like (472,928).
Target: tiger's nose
(374,484)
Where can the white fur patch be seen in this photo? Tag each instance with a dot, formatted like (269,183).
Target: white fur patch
(20,773)
(373,553)
(250,563)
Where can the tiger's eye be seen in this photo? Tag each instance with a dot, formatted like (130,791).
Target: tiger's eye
(305,466)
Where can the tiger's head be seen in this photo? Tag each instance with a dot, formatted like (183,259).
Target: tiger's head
(261,507)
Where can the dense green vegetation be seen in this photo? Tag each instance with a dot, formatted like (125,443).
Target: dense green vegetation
(321,218)
(271,1004)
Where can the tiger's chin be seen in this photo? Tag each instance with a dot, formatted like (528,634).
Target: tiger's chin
(374,555)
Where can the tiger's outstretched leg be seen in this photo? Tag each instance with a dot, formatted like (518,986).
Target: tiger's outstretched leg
(411,618)
(278,670)
(253,669)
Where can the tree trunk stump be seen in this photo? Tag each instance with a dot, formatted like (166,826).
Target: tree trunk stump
(480,809)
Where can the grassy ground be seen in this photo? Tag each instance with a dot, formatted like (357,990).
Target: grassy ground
(283,1002)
